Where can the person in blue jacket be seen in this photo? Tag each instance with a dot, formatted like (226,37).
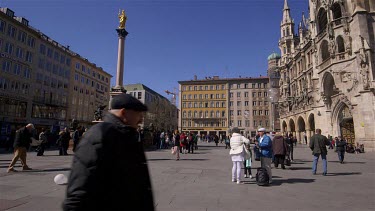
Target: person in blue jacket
(265,147)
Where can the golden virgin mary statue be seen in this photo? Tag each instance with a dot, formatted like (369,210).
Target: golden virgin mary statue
(122,17)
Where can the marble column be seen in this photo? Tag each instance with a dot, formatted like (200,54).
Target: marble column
(119,87)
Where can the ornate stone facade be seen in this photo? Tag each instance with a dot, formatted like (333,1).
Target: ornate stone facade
(327,71)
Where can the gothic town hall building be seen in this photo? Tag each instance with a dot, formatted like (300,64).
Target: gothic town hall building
(327,71)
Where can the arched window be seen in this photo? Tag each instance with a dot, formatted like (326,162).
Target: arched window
(340,44)
(324,50)
(322,20)
(336,11)
(189,114)
(287,31)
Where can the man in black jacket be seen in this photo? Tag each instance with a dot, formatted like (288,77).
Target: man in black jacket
(318,144)
(21,144)
(109,170)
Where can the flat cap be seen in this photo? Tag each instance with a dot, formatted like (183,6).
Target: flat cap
(262,129)
(128,102)
(235,130)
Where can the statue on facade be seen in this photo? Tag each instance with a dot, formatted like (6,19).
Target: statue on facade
(364,72)
(364,65)
(98,114)
(332,47)
(122,19)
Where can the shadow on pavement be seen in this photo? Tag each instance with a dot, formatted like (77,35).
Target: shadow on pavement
(299,168)
(47,170)
(278,182)
(6,166)
(6,160)
(344,174)
(336,161)
(161,159)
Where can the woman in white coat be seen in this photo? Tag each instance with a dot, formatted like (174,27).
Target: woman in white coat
(238,153)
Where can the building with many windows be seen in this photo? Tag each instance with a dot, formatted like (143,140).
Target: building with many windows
(37,79)
(161,115)
(214,105)
(327,71)
(90,87)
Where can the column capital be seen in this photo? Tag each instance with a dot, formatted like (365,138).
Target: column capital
(122,33)
(118,89)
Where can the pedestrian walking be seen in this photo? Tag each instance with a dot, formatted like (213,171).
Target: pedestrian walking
(43,142)
(63,141)
(21,144)
(265,147)
(318,144)
(280,149)
(238,153)
(227,142)
(290,141)
(177,143)
(76,138)
(340,148)
(109,168)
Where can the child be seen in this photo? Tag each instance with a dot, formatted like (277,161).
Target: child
(247,163)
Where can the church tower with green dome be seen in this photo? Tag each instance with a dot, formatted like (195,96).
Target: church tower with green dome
(273,72)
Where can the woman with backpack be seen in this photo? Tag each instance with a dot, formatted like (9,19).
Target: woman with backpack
(238,153)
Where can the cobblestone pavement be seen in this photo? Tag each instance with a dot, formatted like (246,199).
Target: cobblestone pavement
(202,181)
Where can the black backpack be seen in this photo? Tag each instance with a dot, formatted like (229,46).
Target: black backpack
(262,177)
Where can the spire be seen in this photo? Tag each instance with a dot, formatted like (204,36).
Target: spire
(286,7)
(286,13)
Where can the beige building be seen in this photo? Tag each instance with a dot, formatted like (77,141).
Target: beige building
(327,71)
(37,79)
(89,88)
(162,114)
(214,105)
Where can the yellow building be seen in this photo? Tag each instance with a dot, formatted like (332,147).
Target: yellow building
(203,106)
(215,105)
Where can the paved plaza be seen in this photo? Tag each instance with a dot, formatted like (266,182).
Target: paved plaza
(202,181)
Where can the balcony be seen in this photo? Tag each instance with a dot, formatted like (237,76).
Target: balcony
(339,21)
(325,63)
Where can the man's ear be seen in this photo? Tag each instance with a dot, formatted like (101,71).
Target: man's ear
(123,112)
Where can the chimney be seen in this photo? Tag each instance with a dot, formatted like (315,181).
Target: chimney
(195,77)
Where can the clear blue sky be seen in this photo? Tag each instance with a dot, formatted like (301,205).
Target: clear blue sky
(169,40)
